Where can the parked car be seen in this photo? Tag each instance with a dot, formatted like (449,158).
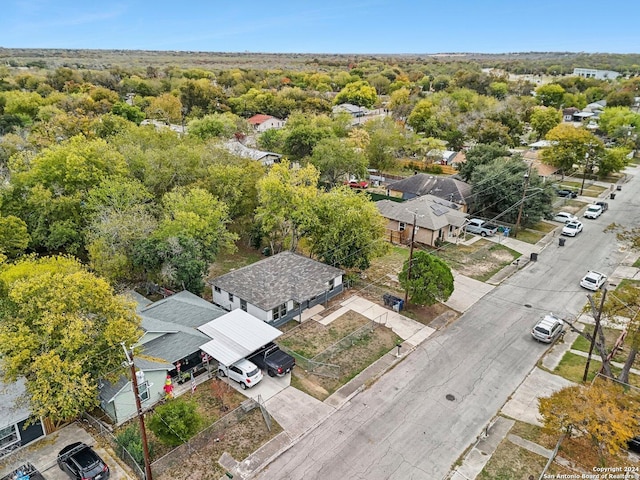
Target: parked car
(567,193)
(593,211)
(273,360)
(593,280)
(481,227)
(571,229)
(81,462)
(246,373)
(548,329)
(564,217)
(603,205)
(357,184)
(634,444)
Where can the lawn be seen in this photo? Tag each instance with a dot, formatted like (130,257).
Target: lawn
(572,367)
(225,263)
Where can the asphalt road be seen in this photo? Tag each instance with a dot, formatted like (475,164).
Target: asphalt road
(418,419)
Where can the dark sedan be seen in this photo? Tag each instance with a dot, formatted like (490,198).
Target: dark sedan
(80,462)
(567,193)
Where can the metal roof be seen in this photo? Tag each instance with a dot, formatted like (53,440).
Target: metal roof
(236,335)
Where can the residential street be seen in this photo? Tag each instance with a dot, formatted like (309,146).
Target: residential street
(420,417)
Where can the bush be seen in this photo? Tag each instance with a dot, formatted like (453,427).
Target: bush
(175,422)
(130,440)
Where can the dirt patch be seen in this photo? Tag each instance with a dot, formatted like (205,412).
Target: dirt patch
(352,357)
(239,441)
(311,337)
(242,257)
(480,260)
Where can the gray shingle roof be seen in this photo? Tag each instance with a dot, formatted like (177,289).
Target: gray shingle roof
(432,212)
(443,187)
(278,279)
(183,308)
(13,403)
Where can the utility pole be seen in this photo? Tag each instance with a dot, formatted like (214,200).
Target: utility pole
(524,196)
(143,430)
(596,329)
(413,236)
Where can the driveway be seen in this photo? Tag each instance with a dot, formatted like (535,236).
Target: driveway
(44,452)
(466,292)
(296,411)
(266,388)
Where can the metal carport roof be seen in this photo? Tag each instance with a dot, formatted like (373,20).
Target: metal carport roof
(236,335)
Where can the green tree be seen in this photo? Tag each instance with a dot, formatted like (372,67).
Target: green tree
(497,189)
(286,198)
(569,147)
(175,422)
(498,90)
(61,330)
(431,279)
(347,229)
(550,95)
(358,93)
(619,122)
(130,112)
(14,236)
(544,119)
(165,107)
(301,140)
(217,125)
(481,154)
(337,159)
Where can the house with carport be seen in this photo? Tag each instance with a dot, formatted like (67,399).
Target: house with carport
(428,218)
(278,288)
(168,347)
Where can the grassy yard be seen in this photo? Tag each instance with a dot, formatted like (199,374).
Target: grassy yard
(225,263)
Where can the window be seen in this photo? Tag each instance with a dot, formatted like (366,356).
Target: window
(8,436)
(243,305)
(401,226)
(217,289)
(279,311)
(332,284)
(231,297)
(143,391)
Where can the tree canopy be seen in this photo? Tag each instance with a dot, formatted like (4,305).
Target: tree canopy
(61,330)
(431,279)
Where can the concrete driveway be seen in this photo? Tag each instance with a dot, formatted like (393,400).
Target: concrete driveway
(297,412)
(44,452)
(266,388)
(466,292)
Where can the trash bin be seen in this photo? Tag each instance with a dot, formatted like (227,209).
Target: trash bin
(534,255)
(619,187)
(612,196)
(561,241)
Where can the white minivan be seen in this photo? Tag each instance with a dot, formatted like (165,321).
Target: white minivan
(243,371)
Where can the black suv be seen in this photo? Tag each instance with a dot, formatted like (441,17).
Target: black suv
(567,193)
(80,462)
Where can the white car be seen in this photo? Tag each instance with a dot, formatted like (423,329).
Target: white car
(593,280)
(571,229)
(564,217)
(548,329)
(593,211)
(243,371)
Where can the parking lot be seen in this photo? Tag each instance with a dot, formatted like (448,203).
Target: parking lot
(42,454)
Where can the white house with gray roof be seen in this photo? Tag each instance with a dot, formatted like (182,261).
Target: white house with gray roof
(435,220)
(278,288)
(170,345)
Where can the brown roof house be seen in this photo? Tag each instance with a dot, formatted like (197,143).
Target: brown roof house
(435,220)
(445,188)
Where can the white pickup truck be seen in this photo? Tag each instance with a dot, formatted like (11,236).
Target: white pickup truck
(481,227)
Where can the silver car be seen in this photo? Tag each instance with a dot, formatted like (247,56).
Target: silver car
(548,329)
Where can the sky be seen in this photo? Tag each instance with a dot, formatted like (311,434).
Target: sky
(325,26)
